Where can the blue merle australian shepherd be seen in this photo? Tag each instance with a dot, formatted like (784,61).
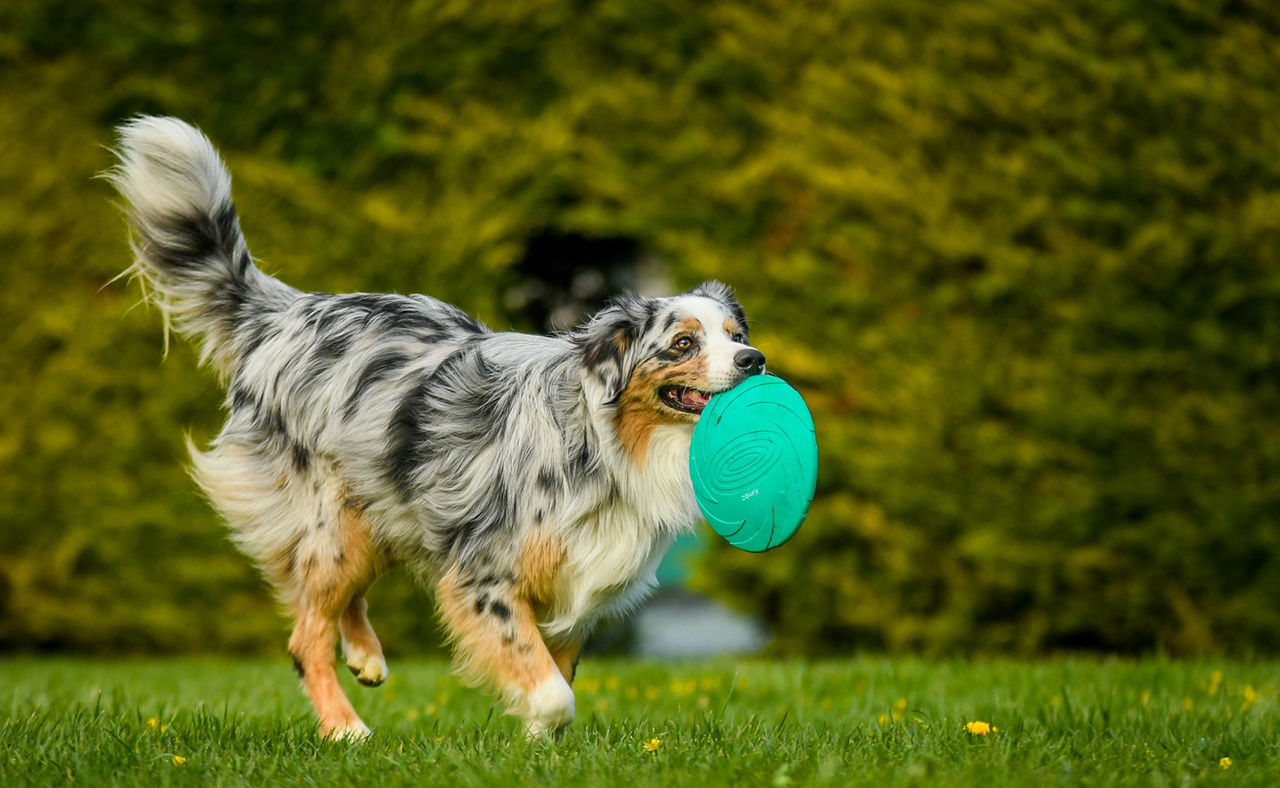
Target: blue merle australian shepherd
(533,482)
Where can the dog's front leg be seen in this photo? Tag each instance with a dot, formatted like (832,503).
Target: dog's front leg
(497,644)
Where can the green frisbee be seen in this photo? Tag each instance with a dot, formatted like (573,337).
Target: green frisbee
(754,463)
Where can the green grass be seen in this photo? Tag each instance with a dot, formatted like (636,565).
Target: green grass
(864,720)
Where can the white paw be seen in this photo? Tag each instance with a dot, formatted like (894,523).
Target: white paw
(355,732)
(549,708)
(369,669)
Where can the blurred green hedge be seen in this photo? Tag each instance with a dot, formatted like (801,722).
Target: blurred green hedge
(1022,257)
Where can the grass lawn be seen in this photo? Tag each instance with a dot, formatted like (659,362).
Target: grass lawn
(857,721)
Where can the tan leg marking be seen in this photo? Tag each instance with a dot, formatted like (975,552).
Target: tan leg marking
(360,644)
(566,657)
(497,645)
(540,559)
(329,583)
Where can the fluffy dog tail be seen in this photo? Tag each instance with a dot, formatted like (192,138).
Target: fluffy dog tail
(189,253)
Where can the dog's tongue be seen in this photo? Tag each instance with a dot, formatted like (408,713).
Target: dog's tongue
(692,398)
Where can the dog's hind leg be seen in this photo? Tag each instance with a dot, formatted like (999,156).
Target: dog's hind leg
(332,575)
(314,636)
(497,643)
(360,644)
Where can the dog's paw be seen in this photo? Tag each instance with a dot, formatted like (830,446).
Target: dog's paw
(369,670)
(549,708)
(352,731)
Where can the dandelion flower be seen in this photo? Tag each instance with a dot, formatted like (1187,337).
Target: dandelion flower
(153,723)
(1225,763)
(979,728)
(653,744)
(178,760)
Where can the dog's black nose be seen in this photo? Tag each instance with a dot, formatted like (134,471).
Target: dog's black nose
(750,361)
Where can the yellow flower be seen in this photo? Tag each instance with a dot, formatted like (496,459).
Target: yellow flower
(978,728)
(1225,763)
(1250,697)
(653,744)
(178,760)
(153,723)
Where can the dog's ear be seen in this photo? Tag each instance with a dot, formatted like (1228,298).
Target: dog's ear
(719,291)
(608,341)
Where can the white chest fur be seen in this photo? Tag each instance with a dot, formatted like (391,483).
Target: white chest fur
(612,554)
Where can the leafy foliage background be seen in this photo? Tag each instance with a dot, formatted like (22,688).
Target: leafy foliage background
(1022,258)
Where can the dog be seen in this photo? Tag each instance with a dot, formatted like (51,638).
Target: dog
(534,482)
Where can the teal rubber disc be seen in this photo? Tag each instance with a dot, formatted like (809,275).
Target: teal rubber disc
(754,463)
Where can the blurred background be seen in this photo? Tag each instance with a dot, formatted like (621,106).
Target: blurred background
(1022,258)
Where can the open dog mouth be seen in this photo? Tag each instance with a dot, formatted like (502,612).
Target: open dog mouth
(684,398)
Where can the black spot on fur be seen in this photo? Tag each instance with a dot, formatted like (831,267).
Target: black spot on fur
(474,581)
(500,610)
(271,423)
(301,457)
(465,322)
(481,601)
(652,310)
(297,666)
(379,368)
(417,316)
(613,493)
(333,346)
(406,436)
(256,332)
(508,637)
(548,480)
(584,459)
(242,398)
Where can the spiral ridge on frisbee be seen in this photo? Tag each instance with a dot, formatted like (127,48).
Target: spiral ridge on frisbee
(753,461)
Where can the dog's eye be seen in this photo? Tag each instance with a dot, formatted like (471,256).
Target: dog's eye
(682,343)
(739,338)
